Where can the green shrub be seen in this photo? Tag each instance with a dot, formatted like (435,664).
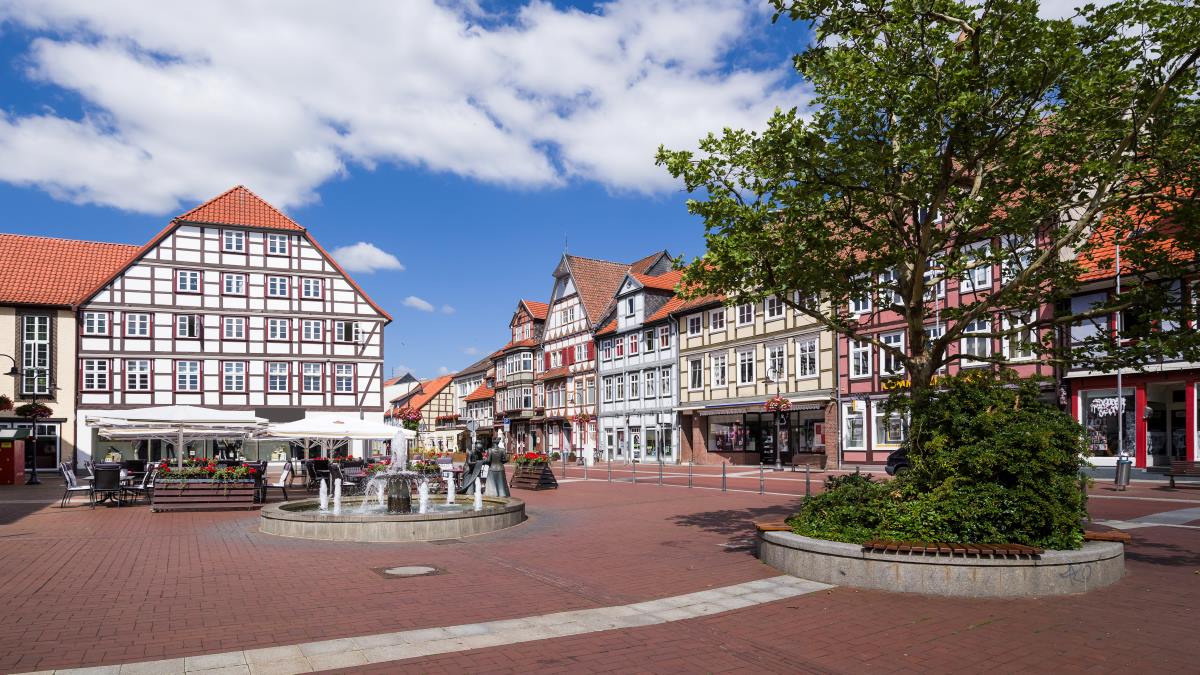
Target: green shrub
(991,463)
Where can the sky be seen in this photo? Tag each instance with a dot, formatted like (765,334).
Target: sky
(447,152)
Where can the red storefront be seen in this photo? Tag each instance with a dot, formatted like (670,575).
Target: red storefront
(1159,415)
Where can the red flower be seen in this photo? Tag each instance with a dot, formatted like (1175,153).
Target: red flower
(252,471)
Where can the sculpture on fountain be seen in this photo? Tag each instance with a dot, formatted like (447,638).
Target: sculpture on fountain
(497,480)
(474,467)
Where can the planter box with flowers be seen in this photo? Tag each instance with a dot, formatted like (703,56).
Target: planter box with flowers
(200,485)
(533,472)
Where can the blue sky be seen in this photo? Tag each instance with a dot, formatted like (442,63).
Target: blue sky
(468,141)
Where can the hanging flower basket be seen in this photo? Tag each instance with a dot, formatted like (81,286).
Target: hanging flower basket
(777,404)
(6,403)
(581,418)
(33,411)
(410,418)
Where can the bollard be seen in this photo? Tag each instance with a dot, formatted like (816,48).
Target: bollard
(722,476)
(585,468)
(610,469)
(689,473)
(634,464)
(564,469)
(807,480)
(660,472)
(762,485)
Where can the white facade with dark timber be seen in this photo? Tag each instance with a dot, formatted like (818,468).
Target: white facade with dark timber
(232,306)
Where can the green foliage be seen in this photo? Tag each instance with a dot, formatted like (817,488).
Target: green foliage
(991,464)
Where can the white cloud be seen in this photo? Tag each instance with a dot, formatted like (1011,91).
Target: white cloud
(443,370)
(366,258)
(417,303)
(447,309)
(180,106)
(471,351)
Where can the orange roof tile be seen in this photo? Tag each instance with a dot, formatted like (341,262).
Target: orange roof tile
(642,266)
(514,345)
(427,391)
(610,327)
(597,282)
(677,304)
(240,206)
(555,373)
(48,271)
(483,393)
(1099,261)
(539,310)
(663,282)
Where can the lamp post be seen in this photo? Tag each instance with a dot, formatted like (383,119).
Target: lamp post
(18,374)
(775,376)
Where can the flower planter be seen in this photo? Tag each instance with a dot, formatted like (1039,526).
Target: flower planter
(202,495)
(533,477)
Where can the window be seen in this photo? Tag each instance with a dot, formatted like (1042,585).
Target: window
(591,390)
(233,376)
(35,354)
(277,244)
(1018,257)
(235,328)
(648,341)
(746,365)
(716,319)
(606,350)
(777,362)
(976,345)
(665,381)
(861,304)
(187,326)
(233,241)
(619,384)
(806,357)
(855,421)
(633,343)
(556,359)
(860,359)
(719,370)
(577,390)
(1020,344)
(311,289)
(187,376)
(95,323)
(890,364)
(889,280)
(137,375)
(187,281)
(347,331)
(343,378)
(774,308)
(137,325)
(580,352)
(695,324)
(278,329)
(311,378)
(651,384)
(935,285)
(311,330)
(277,287)
(696,374)
(635,390)
(1091,329)
(620,343)
(608,389)
(664,337)
(629,307)
(745,314)
(978,277)
(233,284)
(527,362)
(95,375)
(890,429)
(277,377)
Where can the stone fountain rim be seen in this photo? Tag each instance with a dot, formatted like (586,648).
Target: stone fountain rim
(498,505)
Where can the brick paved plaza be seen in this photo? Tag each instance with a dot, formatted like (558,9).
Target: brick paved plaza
(108,586)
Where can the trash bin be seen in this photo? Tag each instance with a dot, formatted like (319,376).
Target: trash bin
(12,456)
(1124,468)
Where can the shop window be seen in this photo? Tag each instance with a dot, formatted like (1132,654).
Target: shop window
(1101,414)
(855,417)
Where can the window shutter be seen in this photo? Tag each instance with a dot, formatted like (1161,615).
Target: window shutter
(568,356)
(591,351)
(547,366)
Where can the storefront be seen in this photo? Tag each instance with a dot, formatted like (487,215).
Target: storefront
(648,437)
(1153,416)
(48,441)
(751,436)
(869,431)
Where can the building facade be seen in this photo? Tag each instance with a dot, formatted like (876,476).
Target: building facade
(637,366)
(434,399)
(232,306)
(38,331)
(515,387)
(468,381)
(732,360)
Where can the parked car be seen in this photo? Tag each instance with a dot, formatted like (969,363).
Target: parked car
(897,462)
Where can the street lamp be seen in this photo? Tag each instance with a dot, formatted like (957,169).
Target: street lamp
(774,375)
(16,373)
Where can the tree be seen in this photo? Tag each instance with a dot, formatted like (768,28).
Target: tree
(947,135)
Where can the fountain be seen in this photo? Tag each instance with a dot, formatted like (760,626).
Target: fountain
(385,511)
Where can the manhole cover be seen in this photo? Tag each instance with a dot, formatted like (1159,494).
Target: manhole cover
(407,571)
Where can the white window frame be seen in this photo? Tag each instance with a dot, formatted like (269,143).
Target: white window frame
(742,377)
(233,376)
(277,286)
(36,339)
(650,384)
(97,375)
(860,359)
(311,372)
(664,381)
(188,281)
(849,412)
(977,278)
(968,344)
(187,377)
(634,386)
(95,323)
(720,369)
(137,325)
(664,337)
(311,288)
(695,374)
(233,328)
(606,350)
(233,283)
(272,241)
(274,378)
(807,348)
(233,241)
(279,329)
(137,374)
(184,321)
(312,330)
(343,378)
(772,303)
(1007,342)
(695,325)
(608,389)
(716,319)
(744,319)
(781,361)
(885,360)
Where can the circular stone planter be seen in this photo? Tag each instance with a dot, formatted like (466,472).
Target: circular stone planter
(299,519)
(1097,564)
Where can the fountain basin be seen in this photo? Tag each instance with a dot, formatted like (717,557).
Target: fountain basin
(303,519)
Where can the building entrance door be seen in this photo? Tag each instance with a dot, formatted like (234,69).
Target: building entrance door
(1166,424)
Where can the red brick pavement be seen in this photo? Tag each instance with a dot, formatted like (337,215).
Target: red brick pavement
(85,587)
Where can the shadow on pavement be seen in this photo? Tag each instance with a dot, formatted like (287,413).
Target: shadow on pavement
(1163,554)
(737,524)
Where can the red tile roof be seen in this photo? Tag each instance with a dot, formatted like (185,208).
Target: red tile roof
(539,310)
(663,282)
(597,282)
(610,327)
(677,305)
(514,345)
(427,390)
(555,373)
(47,271)
(1099,261)
(642,266)
(240,206)
(483,393)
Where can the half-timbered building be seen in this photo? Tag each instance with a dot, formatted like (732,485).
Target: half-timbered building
(233,306)
(516,366)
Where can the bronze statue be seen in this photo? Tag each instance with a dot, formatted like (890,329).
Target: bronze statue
(473,467)
(497,483)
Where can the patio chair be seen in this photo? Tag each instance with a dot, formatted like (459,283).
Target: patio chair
(144,488)
(260,476)
(107,483)
(72,486)
(282,484)
(318,470)
(349,483)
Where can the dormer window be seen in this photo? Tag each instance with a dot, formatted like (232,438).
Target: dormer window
(629,307)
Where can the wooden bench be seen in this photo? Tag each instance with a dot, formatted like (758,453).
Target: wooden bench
(1183,470)
(1108,535)
(772,526)
(978,550)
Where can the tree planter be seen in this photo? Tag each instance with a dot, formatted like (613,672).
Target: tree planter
(202,495)
(533,477)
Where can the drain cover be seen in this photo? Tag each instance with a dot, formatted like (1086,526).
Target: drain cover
(408,571)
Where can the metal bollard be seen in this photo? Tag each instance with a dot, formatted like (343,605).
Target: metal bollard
(722,477)
(660,473)
(689,473)
(585,468)
(762,485)
(634,464)
(807,480)
(564,460)
(610,469)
